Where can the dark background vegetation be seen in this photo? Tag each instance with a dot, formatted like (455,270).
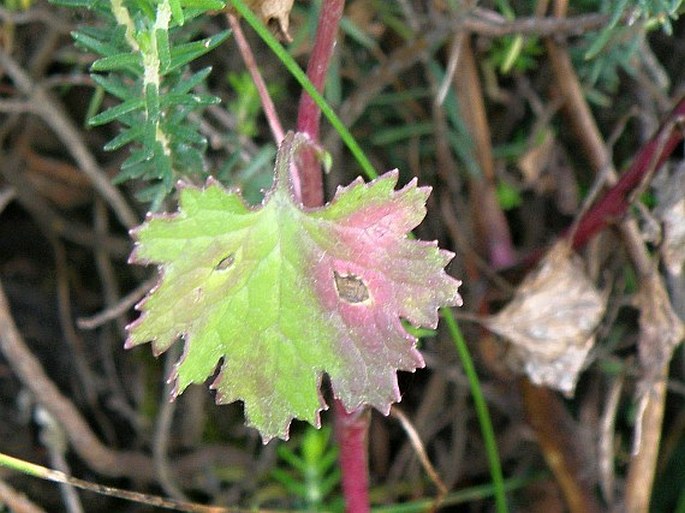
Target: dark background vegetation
(508,161)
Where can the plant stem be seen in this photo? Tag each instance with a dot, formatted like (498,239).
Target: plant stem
(352,428)
(251,65)
(352,431)
(615,202)
(309,114)
(299,75)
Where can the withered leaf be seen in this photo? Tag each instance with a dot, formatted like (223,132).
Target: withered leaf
(274,14)
(670,193)
(661,330)
(551,321)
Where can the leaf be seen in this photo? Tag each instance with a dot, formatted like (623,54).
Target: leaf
(182,54)
(114,112)
(551,321)
(282,294)
(661,330)
(274,14)
(670,192)
(126,61)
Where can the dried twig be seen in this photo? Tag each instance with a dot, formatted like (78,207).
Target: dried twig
(115,311)
(481,23)
(558,437)
(36,14)
(52,112)
(29,370)
(160,443)
(420,451)
(53,439)
(6,197)
(50,221)
(491,226)
(16,501)
(606,441)
(151,500)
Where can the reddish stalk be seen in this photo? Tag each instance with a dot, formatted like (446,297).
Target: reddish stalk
(309,115)
(351,427)
(251,65)
(615,202)
(352,431)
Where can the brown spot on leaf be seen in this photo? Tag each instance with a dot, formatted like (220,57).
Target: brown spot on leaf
(225,263)
(350,288)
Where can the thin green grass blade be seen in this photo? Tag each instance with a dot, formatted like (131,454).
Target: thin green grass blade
(481,411)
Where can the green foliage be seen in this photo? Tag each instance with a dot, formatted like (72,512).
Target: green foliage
(17,5)
(654,13)
(601,55)
(246,105)
(515,53)
(507,196)
(310,473)
(145,49)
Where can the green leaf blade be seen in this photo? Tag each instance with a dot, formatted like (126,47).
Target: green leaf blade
(113,113)
(125,61)
(283,294)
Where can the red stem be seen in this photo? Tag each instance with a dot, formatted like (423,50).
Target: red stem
(309,115)
(351,428)
(616,200)
(251,65)
(352,433)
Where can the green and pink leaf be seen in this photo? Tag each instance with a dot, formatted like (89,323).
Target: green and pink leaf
(281,294)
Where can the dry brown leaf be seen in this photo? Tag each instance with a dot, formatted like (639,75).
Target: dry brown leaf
(274,14)
(551,321)
(670,193)
(661,330)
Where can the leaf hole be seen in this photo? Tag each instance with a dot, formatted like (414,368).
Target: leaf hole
(225,263)
(350,288)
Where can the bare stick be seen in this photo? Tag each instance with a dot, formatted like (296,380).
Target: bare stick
(29,370)
(417,444)
(48,108)
(605,450)
(56,476)
(6,197)
(111,313)
(482,23)
(53,439)
(251,65)
(160,442)
(16,501)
